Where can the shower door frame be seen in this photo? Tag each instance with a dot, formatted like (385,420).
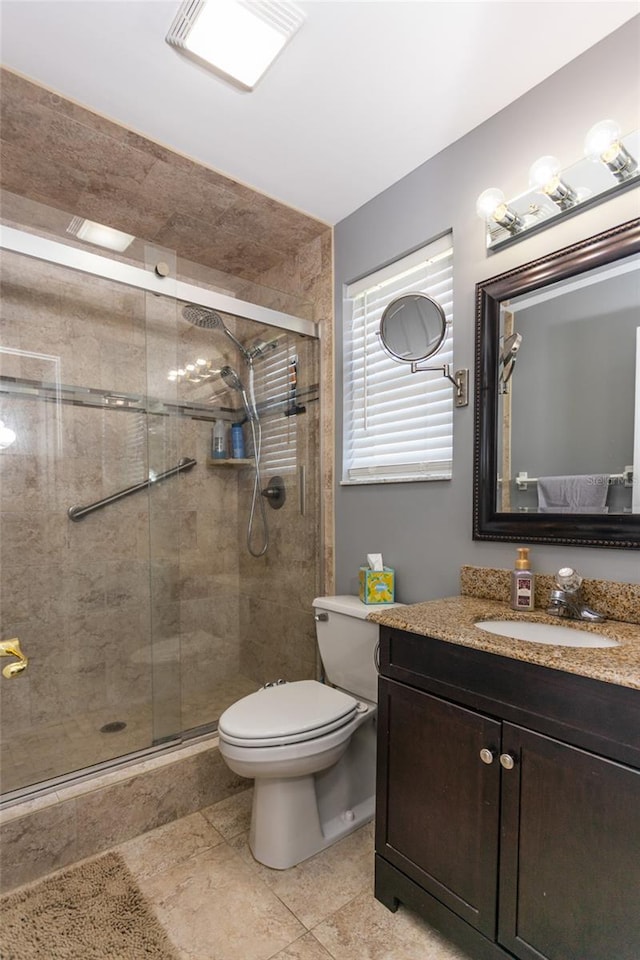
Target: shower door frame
(54,251)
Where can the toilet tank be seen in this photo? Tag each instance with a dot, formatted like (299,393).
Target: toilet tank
(347,644)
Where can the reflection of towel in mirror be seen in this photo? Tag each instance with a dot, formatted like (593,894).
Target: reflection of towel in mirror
(578,494)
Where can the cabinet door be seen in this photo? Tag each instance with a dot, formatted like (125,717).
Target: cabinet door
(438,802)
(570,853)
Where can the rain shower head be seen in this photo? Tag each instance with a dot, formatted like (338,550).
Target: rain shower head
(210,320)
(201,317)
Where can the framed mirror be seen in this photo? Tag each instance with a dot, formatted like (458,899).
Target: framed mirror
(413,328)
(557,409)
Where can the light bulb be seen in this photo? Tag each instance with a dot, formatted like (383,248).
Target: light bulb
(603,143)
(601,138)
(491,205)
(544,171)
(488,202)
(544,175)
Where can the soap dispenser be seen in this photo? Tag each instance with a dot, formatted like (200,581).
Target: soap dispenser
(522,588)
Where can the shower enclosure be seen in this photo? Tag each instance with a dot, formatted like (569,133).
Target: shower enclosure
(125,569)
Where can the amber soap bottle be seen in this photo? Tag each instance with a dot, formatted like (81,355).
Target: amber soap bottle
(522,590)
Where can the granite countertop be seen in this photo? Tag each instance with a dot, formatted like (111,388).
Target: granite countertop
(453,620)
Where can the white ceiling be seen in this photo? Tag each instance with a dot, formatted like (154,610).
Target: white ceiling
(364,93)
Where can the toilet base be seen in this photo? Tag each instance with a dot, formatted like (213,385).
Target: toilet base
(294,818)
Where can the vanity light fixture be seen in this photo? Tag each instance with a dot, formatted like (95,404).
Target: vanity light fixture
(602,143)
(544,175)
(236,39)
(554,192)
(491,205)
(100,235)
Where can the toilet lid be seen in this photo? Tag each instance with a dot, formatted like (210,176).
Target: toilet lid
(287,713)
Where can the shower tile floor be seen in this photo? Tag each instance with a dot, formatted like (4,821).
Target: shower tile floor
(49,750)
(217,903)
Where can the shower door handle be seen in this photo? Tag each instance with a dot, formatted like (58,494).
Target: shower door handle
(11,648)
(302,489)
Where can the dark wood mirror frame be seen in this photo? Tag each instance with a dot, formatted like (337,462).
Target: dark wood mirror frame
(621,531)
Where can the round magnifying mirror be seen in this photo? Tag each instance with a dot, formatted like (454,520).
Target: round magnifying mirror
(413,327)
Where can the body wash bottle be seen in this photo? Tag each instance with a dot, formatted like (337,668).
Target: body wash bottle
(522,593)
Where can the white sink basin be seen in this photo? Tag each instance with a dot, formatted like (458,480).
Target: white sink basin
(551,633)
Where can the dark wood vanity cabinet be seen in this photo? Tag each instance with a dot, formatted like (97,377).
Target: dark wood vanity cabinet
(508,803)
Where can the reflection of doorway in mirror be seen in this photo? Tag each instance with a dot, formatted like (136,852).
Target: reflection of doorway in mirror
(505,466)
(635,478)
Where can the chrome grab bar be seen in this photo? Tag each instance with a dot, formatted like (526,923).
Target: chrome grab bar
(77,513)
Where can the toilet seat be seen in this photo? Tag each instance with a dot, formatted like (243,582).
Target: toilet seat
(287,713)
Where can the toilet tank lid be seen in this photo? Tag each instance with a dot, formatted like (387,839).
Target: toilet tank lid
(348,605)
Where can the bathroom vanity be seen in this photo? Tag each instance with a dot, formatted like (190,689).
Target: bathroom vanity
(508,794)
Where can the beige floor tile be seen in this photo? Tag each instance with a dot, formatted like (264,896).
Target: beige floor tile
(173,843)
(365,930)
(215,908)
(232,816)
(318,887)
(306,948)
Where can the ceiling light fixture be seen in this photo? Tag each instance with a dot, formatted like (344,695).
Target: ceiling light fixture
(100,235)
(237,39)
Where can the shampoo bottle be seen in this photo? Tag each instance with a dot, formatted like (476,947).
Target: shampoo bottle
(522,597)
(219,441)
(237,441)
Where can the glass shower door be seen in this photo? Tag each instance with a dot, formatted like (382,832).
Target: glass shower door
(75,592)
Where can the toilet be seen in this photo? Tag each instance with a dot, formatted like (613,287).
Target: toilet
(310,747)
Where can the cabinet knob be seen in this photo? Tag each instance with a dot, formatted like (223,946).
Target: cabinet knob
(507,761)
(486,755)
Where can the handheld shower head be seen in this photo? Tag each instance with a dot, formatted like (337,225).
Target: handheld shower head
(231,378)
(508,355)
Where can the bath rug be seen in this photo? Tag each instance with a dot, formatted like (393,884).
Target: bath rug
(94,911)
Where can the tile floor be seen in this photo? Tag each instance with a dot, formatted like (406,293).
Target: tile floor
(217,903)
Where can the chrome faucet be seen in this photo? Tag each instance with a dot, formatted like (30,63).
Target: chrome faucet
(567,601)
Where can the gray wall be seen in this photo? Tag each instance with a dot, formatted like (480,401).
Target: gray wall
(424,529)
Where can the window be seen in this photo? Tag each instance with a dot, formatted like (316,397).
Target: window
(398,425)
(273,384)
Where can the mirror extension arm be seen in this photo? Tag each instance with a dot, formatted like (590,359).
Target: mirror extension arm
(460,380)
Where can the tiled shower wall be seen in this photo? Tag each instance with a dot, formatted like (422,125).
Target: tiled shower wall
(168,562)
(61,154)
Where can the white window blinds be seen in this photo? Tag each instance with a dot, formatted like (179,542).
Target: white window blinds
(398,425)
(273,380)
